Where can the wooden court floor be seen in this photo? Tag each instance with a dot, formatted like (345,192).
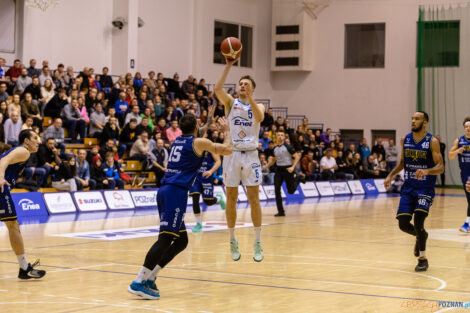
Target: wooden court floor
(346,256)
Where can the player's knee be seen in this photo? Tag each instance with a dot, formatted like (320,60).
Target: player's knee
(419,221)
(181,242)
(12,225)
(404,222)
(210,201)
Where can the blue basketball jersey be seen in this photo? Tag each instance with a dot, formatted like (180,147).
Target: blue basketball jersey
(13,171)
(183,163)
(418,155)
(207,162)
(464,158)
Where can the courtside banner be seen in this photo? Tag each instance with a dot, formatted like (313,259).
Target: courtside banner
(241,194)
(324,188)
(297,195)
(270,192)
(379,183)
(369,186)
(59,202)
(145,198)
(118,199)
(29,204)
(87,201)
(309,189)
(356,187)
(340,188)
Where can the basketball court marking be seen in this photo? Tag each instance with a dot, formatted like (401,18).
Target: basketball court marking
(144,307)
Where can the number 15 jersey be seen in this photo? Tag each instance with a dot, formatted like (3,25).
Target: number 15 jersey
(183,163)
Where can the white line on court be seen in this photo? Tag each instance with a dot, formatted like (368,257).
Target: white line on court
(200,294)
(149,308)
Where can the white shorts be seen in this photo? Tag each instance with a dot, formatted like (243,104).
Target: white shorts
(244,167)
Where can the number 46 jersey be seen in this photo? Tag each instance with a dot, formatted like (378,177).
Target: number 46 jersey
(183,163)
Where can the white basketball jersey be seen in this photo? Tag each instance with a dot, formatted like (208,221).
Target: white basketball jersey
(244,130)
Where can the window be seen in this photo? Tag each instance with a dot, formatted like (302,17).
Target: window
(223,30)
(364,46)
(7,26)
(438,43)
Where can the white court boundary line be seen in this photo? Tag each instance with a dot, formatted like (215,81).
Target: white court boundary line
(64,270)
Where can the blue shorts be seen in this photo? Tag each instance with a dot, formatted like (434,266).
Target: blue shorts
(7,207)
(204,186)
(415,200)
(172,201)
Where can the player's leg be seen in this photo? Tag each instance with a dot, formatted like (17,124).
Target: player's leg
(466,226)
(405,214)
(278,179)
(424,202)
(195,193)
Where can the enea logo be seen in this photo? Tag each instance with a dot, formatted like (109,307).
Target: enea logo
(89,201)
(370,187)
(240,121)
(28,205)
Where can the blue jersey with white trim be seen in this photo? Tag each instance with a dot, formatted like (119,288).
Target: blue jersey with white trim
(418,155)
(183,163)
(464,158)
(207,162)
(13,171)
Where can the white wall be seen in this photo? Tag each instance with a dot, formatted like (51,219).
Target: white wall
(76,33)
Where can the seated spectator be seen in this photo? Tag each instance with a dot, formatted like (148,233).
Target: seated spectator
(56,104)
(158,108)
(334,152)
(28,123)
(73,120)
(325,137)
(129,133)
(57,132)
(23,81)
(358,166)
(83,111)
(97,121)
(34,89)
(29,108)
(111,171)
(310,166)
(121,106)
(133,114)
(343,169)
(91,153)
(32,70)
(279,122)
(83,172)
(147,115)
(3,91)
(14,72)
(371,167)
(161,128)
(48,157)
(3,70)
(47,92)
(144,126)
(45,75)
(15,105)
(64,177)
(111,131)
(268,119)
(33,169)
(4,110)
(391,155)
(219,110)
(328,166)
(138,81)
(12,129)
(58,80)
(161,160)
(379,149)
(272,133)
(96,171)
(69,77)
(364,149)
(111,113)
(265,140)
(140,151)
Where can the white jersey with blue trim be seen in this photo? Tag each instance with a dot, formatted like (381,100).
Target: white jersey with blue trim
(244,130)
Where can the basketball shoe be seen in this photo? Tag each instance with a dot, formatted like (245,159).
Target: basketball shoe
(30,272)
(235,253)
(197,228)
(258,253)
(150,284)
(422,265)
(465,228)
(141,290)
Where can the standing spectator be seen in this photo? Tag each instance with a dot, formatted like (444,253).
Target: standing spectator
(188,86)
(97,121)
(305,125)
(23,81)
(32,168)
(268,119)
(121,107)
(64,178)
(173,132)
(32,70)
(56,104)
(56,132)
(85,76)
(364,150)
(73,120)
(83,172)
(328,165)
(379,149)
(12,129)
(391,154)
(443,152)
(111,171)
(174,88)
(138,82)
(106,81)
(48,157)
(29,108)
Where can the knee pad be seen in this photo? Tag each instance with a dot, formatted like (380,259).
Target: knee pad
(181,242)
(210,201)
(404,222)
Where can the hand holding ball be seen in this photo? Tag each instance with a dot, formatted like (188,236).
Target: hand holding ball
(231,48)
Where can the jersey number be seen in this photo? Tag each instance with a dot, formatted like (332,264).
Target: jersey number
(250,113)
(175,154)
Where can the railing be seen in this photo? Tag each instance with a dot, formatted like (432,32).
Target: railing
(279,111)
(266,102)
(295,120)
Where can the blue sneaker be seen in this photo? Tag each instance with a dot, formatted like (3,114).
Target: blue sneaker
(141,290)
(150,284)
(465,228)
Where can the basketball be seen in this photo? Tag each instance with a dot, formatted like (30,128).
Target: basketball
(231,48)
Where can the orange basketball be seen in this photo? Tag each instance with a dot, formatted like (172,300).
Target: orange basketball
(231,48)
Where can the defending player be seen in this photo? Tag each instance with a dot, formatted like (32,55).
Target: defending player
(461,148)
(185,159)
(422,160)
(12,163)
(244,116)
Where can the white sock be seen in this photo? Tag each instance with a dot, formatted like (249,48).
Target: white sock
(231,231)
(257,233)
(422,254)
(198,219)
(153,274)
(468,219)
(22,261)
(144,272)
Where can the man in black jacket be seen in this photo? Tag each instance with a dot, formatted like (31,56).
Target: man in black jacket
(111,131)
(34,89)
(106,80)
(129,133)
(56,104)
(48,158)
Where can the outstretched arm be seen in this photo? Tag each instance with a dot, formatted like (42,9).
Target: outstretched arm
(210,118)
(204,144)
(220,92)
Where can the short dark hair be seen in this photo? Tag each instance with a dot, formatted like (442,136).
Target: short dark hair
(426,116)
(17,60)
(467,119)
(250,79)
(25,133)
(133,120)
(188,124)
